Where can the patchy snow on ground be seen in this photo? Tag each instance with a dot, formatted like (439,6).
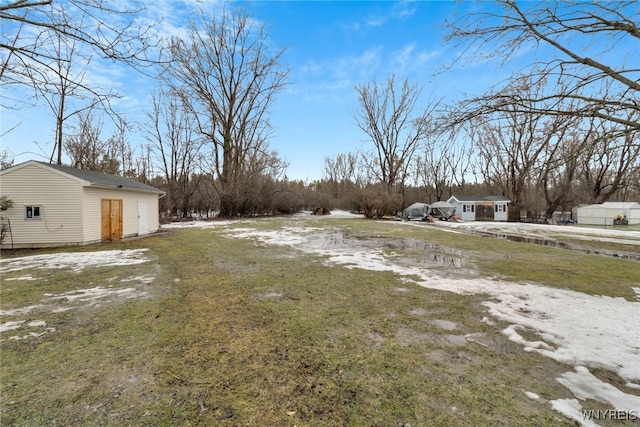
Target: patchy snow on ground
(26,278)
(336,213)
(76,261)
(92,295)
(21,310)
(40,327)
(56,303)
(544,231)
(11,325)
(575,328)
(215,223)
(139,279)
(572,409)
(201,224)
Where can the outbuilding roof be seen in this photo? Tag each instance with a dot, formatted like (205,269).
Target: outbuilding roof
(92,178)
(480,199)
(622,205)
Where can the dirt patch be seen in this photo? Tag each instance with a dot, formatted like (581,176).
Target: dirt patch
(406,336)
(376,338)
(447,325)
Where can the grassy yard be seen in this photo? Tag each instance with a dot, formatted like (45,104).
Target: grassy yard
(214,330)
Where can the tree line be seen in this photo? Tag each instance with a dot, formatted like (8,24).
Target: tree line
(562,131)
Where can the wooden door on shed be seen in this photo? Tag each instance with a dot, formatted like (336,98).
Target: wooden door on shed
(111,219)
(484,212)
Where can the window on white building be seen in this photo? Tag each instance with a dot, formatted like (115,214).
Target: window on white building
(32,212)
(469,207)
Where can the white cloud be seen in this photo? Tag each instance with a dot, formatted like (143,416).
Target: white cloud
(410,59)
(335,78)
(403,9)
(398,11)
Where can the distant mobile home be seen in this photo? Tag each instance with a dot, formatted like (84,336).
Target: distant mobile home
(58,206)
(481,208)
(606,213)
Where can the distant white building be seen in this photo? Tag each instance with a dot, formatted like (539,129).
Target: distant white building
(606,213)
(481,208)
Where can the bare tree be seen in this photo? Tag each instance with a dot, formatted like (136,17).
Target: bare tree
(176,147)
(59,81)
(52,47)
(339,171)
(206,195)
(513,145)
(110,29)
(88,149)
(228,75)
(6,161)
(85,146)
(557,174)
(577,34)
(608,161)
(443,166)
(391,121)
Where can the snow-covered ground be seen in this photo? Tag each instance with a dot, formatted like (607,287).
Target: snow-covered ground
(584,331)
(75,261)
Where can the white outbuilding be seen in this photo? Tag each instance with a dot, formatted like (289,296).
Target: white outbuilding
(481,208)
(57,205)
(607,213)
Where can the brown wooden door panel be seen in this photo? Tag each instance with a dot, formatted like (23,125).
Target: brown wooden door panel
(111,214)
(484,212)
(116,219)
(106,220)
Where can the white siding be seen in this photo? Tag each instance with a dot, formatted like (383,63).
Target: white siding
(92,205)
(464,216)
(60,199)
(597,215)
(154,212)
(500,216)
(467,211)
(70,213)
(605,213)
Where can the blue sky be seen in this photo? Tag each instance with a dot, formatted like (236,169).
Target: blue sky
(331,48)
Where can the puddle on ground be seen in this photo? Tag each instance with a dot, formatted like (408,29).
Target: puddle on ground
(410,251)
(553,244)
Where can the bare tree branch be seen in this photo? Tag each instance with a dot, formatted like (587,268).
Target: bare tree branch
(577,34)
